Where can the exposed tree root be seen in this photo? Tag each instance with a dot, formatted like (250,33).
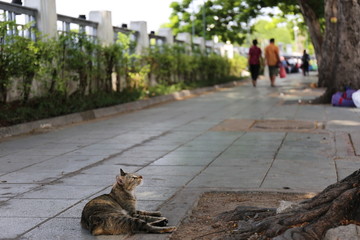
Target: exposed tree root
(309,220)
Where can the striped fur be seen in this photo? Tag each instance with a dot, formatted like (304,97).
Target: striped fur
(115,213)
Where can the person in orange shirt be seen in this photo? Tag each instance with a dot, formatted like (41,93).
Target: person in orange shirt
(272,58)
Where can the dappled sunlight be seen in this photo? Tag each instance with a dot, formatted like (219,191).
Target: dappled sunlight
(344,123)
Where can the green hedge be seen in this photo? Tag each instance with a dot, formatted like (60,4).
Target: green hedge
(74,58)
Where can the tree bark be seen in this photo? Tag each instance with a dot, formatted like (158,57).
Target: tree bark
(312,21)
(340,62)
(337,205)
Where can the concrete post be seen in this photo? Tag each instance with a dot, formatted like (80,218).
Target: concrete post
(105,32)
(186,38)
(210,44)
(47,17)
(201,42)
(167,33)
(142,38)
(230,50)
(220,49)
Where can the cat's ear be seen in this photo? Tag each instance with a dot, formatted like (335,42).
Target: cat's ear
(122,173)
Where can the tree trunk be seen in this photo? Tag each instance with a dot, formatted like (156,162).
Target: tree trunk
(312,21)
(337,205)
(340,63)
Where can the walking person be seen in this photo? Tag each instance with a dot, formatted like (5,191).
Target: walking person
(305,63)
(272,58)
(254,61)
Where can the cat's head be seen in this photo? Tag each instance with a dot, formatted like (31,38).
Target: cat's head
(129,181)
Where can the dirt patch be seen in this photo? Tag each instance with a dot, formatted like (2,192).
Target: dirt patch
(202,224)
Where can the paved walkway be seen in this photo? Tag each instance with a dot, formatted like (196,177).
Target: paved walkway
(240,138)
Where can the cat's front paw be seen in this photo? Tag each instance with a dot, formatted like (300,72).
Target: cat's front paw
(161,222)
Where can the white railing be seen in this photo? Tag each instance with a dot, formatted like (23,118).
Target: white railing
(156,40)
(78,25)
(98,27)
(23,17)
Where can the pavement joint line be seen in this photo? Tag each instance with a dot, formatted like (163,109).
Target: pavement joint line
(188,191)
(352,144)
(47,220)
(52,157)
(274,158)
(181,188)
(59,213)
(196,175)
(336,169)
(104,188)
(70,174)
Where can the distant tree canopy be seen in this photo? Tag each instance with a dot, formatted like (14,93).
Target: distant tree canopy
(333,26)
(230,20)
(264,29)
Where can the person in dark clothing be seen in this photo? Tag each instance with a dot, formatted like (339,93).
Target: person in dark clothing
(254,61)
(305,63)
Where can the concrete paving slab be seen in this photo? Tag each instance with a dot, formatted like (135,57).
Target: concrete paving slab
(171,170)
(106,169)
(64,164)
(346,166)
(129,161)
(177,207)
(11,228)
(243,162)
(26,176)
(13,190)
(151,180)
(219,136)
(83,179)
(183,154)
(137,154)
(229,177)
(180,151)
(89,151)
(294,175)
(311,156)
(21,157)
(343,144)
(155,148)
(247,154)
(61,191)
(204,146)
(182,161)
(76,210)
(355,139)
(143,236)
(35,208)
(260,136)
(155,193)
(60,228)
(310,137)
(343,124)
(348,232)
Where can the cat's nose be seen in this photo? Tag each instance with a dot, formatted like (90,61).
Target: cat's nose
(140,177)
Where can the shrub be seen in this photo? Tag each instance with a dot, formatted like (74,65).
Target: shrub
(75,59)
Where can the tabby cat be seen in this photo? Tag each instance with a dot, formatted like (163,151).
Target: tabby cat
(115,213)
